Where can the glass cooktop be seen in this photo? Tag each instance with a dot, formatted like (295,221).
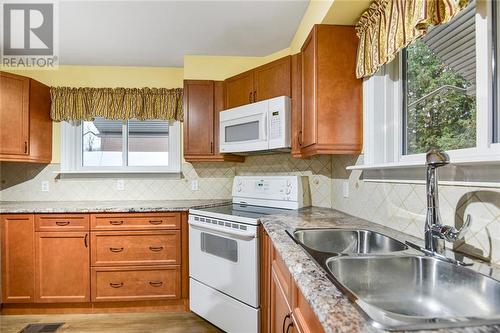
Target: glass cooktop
(247,211)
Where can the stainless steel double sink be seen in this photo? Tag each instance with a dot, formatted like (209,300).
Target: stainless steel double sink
(397,288)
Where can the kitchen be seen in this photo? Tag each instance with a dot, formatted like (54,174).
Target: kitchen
(274,167)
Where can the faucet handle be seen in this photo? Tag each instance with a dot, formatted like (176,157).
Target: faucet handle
(451,234)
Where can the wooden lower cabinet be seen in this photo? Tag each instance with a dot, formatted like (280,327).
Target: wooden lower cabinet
(136,283)
(18,258)
(284,308)
(136,248)
(62,267)
(66,263)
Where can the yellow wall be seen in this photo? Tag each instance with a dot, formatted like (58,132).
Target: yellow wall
(346,12)
(221,67)
(102,76)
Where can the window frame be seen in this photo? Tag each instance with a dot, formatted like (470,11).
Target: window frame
(384,109)
(72,152)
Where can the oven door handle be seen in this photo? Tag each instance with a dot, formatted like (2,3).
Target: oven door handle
(215,229)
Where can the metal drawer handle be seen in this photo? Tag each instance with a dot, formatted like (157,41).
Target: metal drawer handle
(156,283)
(156,248)
(116,222)
(156,222)
(62,223)
(116,249)
(116,285)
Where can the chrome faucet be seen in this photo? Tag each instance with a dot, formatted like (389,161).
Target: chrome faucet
(435,232)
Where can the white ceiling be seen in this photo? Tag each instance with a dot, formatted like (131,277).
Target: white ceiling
(160,33)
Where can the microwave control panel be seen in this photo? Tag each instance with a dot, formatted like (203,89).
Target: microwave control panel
(275,124)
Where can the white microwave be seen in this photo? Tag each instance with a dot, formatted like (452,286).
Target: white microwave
(255,127)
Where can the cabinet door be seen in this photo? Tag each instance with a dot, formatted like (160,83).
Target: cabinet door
(62,267)
(280,316)
(272,80)
(14,114)
(18,258)
(309,91)
(296,105)
(239,90)
(198,117)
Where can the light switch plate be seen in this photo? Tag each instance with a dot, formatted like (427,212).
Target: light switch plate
(194,185)
(45,186)
(120,185)
(345,189)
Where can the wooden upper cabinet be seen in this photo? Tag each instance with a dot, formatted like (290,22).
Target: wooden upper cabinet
(18,258)
(62,267)
(261,83)
(296,105)
(239,90)
(272,80)
(25,124)
(14,114)
(203,100)
(331,94)
(198,117)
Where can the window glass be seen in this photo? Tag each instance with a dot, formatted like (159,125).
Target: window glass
(102,141)
(148,143)
(439,88)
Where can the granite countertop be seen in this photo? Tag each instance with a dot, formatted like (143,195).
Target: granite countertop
(29,207)
(333,309)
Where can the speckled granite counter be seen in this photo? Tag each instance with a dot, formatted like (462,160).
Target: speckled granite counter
(27,207)
(335,312)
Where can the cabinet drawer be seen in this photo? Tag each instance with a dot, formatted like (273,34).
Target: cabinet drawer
(136,283)
(62,222)
(136,221)
(135,248)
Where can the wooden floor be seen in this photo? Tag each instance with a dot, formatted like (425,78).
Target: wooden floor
(184,322)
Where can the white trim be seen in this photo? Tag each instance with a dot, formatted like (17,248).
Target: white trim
(441,182)
(383,112)
(71,153)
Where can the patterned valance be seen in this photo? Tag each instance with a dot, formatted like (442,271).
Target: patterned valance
(116,103)
(388,26)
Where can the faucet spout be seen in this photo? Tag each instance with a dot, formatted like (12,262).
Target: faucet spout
(434,159)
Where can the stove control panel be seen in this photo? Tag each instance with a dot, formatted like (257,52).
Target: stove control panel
(270,191)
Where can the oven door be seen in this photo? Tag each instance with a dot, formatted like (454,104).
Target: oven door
(225,260)
(244,128)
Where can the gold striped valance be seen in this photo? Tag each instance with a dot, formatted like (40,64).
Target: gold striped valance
(388,26)
(116,103)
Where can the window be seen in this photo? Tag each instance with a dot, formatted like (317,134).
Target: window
(115,145)
(439,87)
(439,93)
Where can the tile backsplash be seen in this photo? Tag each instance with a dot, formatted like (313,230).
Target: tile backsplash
(22,181)
(403,207)
(399,206)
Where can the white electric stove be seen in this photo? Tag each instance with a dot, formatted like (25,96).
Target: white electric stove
(224,250)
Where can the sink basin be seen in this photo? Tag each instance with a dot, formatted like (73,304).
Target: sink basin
(348,241)
(414,292)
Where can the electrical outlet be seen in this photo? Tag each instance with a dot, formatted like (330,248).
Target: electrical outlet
(120,185)
(45,186)
(345,189)
(194,185)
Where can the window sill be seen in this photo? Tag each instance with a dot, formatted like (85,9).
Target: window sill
(469,161)
(118,173)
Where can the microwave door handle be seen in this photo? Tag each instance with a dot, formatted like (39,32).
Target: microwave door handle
(217,230)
